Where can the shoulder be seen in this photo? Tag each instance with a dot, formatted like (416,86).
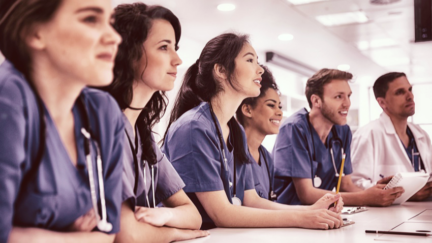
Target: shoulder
(197,119)
(373,127)
(14,88)
(296,121)
(101,103)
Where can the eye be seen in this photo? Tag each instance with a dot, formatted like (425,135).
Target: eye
(250,60)
(338,97)
(271,105)
(92,19)
(164,47)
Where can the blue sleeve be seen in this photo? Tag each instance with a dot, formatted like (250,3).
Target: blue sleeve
(271,165)
(194,152)
(249,177)
(291,154)
(347,141)
(128,179)
(113,155)
(169,182)
(12,157)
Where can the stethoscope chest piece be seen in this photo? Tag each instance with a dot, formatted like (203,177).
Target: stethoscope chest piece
(317,181)
(236,201)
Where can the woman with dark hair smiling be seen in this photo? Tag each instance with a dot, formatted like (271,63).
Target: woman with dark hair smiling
(261,116)
(61,143)
(146,67)
(208,147)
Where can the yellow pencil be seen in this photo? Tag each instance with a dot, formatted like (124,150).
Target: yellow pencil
(340,177)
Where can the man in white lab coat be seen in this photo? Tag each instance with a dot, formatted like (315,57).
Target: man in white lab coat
(390,144)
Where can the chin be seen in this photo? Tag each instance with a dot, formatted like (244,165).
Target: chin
(102,79)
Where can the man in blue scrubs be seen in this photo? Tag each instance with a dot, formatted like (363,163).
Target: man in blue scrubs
(308,150)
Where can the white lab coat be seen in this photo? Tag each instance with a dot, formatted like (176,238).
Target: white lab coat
(377,150)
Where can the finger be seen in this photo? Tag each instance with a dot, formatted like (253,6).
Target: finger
(323,226)
(201,233)
(380,186)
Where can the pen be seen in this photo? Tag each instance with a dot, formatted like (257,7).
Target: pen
(340,177)
(382,176)
(398,233)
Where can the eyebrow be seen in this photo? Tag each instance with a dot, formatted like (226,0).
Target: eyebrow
(271,100)
(167,41)
(92,9)
(249,53)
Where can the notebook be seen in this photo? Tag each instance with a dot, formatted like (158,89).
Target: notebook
(412,182)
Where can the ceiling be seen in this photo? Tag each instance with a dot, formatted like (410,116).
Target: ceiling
(389,26)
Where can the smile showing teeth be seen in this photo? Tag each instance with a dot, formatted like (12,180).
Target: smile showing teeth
(257,81)
(275,121)
(343,112)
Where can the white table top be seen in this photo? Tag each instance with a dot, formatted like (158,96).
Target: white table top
(376,218)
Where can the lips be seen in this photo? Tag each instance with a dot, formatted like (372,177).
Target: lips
(173,74)
(410,104)
(275,121)
(343,113)
(106,56)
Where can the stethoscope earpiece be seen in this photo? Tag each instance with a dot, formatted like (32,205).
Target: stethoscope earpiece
(104,225)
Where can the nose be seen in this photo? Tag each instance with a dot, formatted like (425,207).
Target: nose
(260,70)
(347,102)
(279,112)
(176,61)
(111,36)
(410,96)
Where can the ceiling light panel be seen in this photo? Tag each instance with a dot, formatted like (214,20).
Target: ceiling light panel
(225,7)
(299,2)
(357,17)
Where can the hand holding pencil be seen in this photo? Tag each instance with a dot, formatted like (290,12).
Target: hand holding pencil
(340,176)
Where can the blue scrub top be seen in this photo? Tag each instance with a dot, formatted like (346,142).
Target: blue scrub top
(293,156)
(261,174)
(167,181)
(60,192)
(192,145)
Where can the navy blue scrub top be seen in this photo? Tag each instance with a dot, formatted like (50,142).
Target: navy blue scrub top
(167,181)
(60,192)
(261,174)
(293,157)
(192,145)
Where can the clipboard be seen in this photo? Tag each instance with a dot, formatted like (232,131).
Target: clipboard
(353,210)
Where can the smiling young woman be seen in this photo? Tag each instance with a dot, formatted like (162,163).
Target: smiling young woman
(208,147)
(260,116)
(60,141)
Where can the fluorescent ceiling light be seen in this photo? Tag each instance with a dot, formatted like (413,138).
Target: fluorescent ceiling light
(342,18)
(225,7)
(285,37)
(298,2)
(343,67)
(365,45)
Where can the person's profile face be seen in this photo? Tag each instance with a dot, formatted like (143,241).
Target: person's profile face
(399,99)
(247,72)
(336,101)
(157,68)
(78,42)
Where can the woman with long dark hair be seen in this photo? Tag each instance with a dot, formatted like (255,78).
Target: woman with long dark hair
(208,147)
(146,67)
(260,116)
(60,142)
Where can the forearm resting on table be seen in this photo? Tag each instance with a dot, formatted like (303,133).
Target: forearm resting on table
(251,199)
(36,235)
(185,214)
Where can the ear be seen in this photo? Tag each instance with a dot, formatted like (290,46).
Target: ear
(220,71)
(382,102)
(35,38)
(316,101)
(246,110)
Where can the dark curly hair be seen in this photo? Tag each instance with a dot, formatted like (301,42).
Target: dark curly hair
(267,82)
(133,22)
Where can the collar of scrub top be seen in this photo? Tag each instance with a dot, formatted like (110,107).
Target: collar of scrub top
(335,138)
(272,196)
(135,158)
(414,151)
(235,199)
(103,224)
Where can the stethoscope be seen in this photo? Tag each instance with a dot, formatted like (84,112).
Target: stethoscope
(235,200)
(335,139)
(272,196)
(134,154)
(103,224)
